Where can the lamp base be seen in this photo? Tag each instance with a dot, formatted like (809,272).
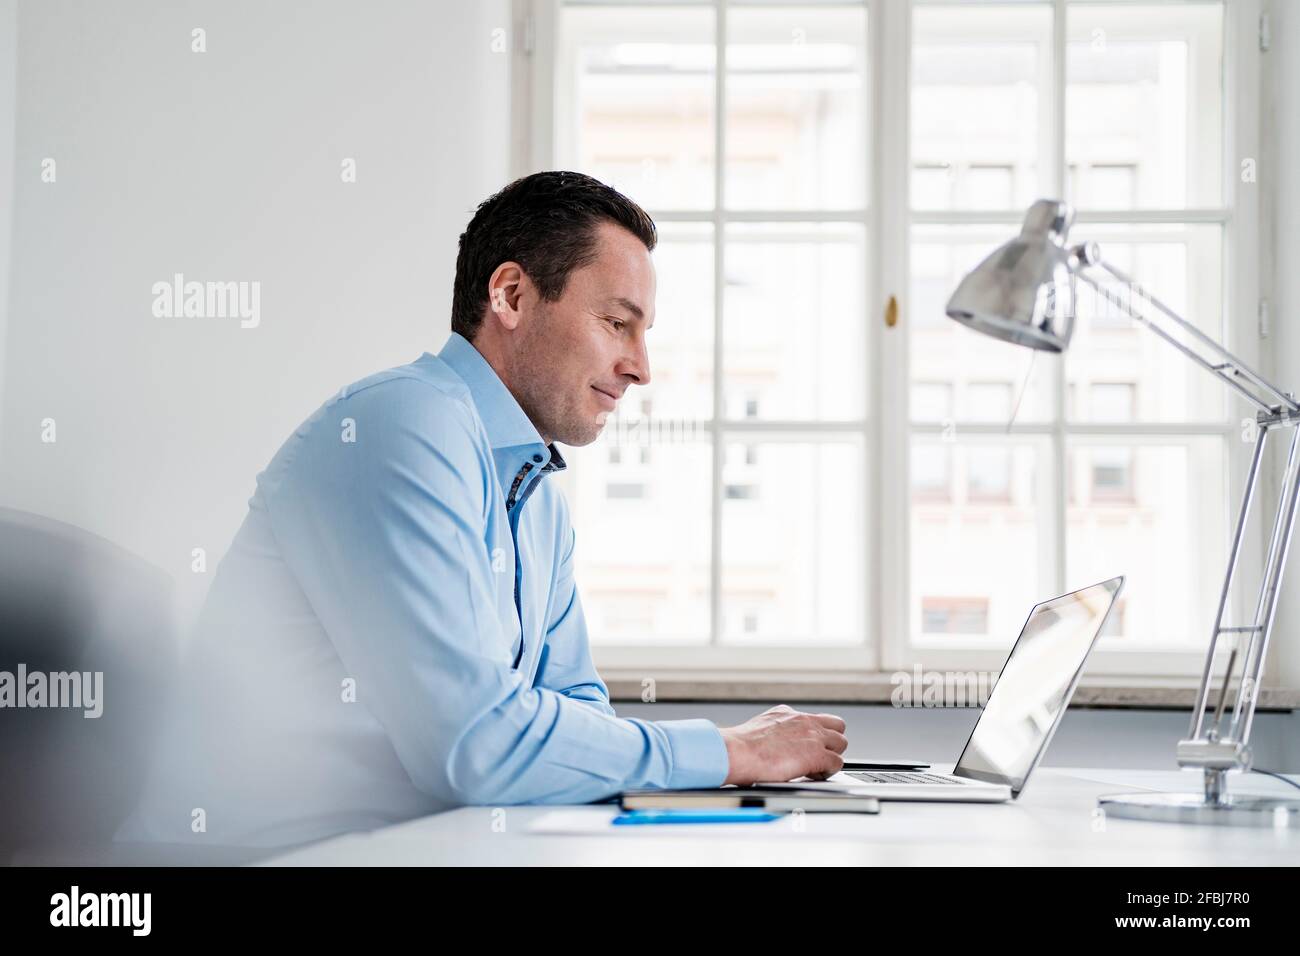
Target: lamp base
(1233,810)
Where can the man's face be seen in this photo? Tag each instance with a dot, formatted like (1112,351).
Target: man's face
(576,356)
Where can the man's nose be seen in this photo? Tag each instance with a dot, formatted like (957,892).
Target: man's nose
(636,364)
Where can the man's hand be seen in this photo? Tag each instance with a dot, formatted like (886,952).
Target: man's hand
(783,743)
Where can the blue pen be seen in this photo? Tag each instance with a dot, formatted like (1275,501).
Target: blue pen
(739,815)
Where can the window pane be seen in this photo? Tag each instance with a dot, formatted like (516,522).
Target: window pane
(1144,105)
(1110,476)
(635,107)
(988,474)
(987,402)
(793,543)
(680,346)
(979,553)
(980,81)
(931,472)
(794,335)
(642,536)
(1120,371)
(1156,513)
(955,615)
(1112,401)
(987,375)
(796,79)
(931,402)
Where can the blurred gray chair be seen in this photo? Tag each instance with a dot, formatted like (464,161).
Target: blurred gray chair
(71,601)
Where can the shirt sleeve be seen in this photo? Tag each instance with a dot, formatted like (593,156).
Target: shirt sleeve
(385,534)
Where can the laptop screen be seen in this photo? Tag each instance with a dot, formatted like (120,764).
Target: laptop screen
(1035,686)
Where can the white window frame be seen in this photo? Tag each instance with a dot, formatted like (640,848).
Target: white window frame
(540,102)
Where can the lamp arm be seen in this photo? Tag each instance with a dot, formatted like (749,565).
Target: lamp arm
(1270,399)
(1209,747)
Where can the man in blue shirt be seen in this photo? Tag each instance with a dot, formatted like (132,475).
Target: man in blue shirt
(396,629)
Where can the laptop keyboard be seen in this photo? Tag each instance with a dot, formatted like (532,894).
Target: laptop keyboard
(870,776)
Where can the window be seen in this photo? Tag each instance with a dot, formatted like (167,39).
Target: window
(988,475)
(932,184)
(931,473)
(1111,185)
(955,615)
(1112,474)
(1112,401)
(991,186)
(1138,148)
(772,286)
(626,457)
(931,401)
(804,162)
(624,489)
(987,402)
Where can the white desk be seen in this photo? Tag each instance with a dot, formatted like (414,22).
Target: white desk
(1052,823)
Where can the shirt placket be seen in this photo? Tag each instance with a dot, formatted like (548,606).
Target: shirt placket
(514,508)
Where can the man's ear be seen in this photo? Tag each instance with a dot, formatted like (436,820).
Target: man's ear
(504,289)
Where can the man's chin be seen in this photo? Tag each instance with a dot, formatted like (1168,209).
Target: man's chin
(583,433)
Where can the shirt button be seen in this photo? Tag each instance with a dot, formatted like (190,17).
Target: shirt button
(537,458)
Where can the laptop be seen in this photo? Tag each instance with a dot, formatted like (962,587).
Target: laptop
(1022,712)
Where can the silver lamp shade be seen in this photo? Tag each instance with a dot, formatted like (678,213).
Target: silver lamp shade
(1024,292)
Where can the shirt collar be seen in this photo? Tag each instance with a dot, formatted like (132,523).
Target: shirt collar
(506,424)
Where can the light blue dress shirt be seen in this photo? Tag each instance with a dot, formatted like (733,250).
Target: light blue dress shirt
(396,630)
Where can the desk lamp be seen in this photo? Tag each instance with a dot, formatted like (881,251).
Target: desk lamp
(1025,293)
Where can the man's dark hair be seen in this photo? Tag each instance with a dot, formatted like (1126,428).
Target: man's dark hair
(547,223)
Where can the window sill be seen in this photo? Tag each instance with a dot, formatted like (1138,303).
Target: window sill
(1146,693)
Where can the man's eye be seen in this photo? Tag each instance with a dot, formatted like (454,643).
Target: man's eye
(618,324)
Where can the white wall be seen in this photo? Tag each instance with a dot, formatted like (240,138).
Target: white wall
(224,165)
